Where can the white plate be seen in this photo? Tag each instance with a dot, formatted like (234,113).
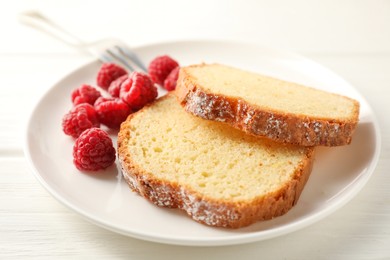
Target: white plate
(105,199)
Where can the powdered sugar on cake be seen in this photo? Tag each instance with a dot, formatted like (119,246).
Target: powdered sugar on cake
(206,212)
(210,107)
(253,120)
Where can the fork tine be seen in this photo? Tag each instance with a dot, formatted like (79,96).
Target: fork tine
(131,56)
(118,57)
(105,58)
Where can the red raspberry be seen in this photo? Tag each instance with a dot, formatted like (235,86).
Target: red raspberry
(112,111)
(115,86)
(170,81)
(160,67)
(93,150)
(79,118)
(85,94)
(108,73)
(138,90)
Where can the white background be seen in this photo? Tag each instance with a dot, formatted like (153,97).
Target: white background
(350,37)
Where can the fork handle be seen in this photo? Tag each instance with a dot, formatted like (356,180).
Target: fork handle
(42,23)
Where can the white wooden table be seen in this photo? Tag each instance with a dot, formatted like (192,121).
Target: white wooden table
(350,37)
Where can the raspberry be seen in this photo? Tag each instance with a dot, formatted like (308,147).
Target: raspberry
(93,150)
(170,81)
(160,67)
(112,111)
(115,86)
(108,73)
(85,94)
(79,118)
(137,90)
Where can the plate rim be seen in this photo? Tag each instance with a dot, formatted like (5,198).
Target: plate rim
(233,239)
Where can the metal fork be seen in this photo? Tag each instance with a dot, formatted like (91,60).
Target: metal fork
(106,50)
